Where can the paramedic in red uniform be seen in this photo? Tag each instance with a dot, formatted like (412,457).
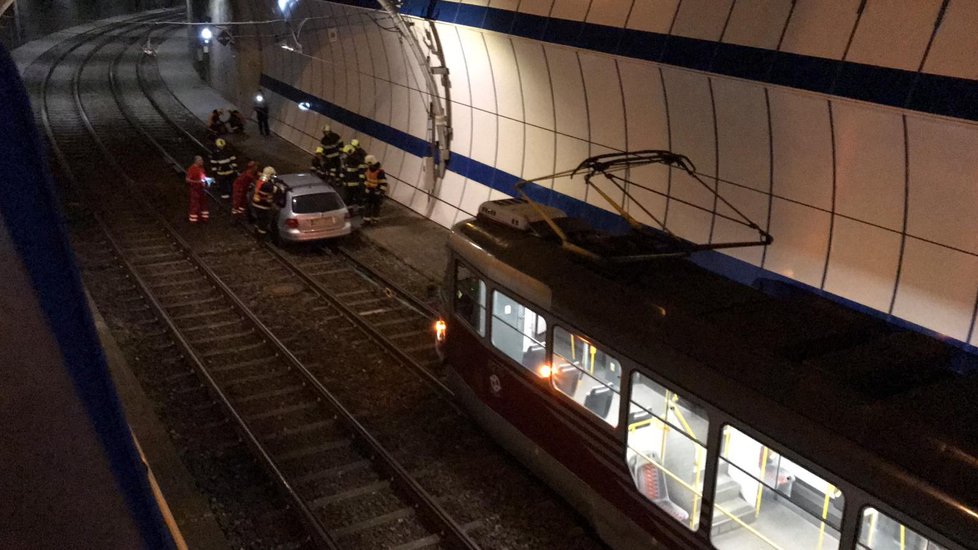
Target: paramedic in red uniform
(198,200)
(240,189)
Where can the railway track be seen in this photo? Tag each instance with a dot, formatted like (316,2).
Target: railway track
(373,461)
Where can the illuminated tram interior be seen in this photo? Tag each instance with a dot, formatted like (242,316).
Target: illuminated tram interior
(762,499)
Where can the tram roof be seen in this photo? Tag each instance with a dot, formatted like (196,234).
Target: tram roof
(843,369)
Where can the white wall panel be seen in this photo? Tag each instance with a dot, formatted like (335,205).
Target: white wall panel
(455,59)
(611,13)
(870,164)
(645,108)
(475,2)
(863,263)
(479,70)
(539,154)
(653,15)
(743,133)
(536,7)
(420,202)
(419,114)
(821,27)
(954,47)
(570,153)
(574,10)
(509,5)
(703,19)
(943,183)
(361,26)
(461,129)
(382,98)
(894,33)
(535,79)
(683,219)
(511,146)
(802,139)
(484,137)
(801,238)
(451,188)
(378,55)
(568,89)
(937,288)
(443,214)
(757,23)
(506,78)
(399,118)
(604,96)
(395,57)
(645,202)
(475,194)
(368,96)
(753,205)
(691,123)
(592,196)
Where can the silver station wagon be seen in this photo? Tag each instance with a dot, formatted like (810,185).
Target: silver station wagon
(306,209)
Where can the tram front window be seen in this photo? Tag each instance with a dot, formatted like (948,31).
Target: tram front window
(518,331)
(470,298)
(881,532)
(587,375)
(667,449)
(764,500)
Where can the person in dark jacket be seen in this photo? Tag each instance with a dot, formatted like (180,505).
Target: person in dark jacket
(332,146)
(224,167)
(375,189)
(261,113)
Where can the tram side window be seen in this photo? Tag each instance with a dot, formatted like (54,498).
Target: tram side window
(470,298)
(881,532)
(666,450)
(518,331)
(765,500)
(586,374)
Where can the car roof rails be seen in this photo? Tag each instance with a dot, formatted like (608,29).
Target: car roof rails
(642,242)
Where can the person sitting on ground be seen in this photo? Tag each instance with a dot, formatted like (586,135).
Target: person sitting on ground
(215,124)
(236,121)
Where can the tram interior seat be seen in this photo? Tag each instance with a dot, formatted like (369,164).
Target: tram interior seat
(534,356)
(566,377)
(599,400)
(650,480)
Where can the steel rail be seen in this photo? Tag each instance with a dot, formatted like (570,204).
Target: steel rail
(322,538)
(450,530)
(378,337)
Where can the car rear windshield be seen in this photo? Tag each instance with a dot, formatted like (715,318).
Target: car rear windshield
(316,202)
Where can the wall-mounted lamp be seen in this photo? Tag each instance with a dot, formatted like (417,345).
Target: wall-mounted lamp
(304,106)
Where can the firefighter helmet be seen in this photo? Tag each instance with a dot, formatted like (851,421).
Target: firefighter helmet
(220,143)
(348,149)
(326,128)
(355,143)
(370,160)
(268,172)
(320,150)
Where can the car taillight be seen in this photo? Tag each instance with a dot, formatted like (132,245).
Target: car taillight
(440,328)
(347,215)
(292,222)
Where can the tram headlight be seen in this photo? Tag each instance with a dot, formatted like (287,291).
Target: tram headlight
(440,328)
(544,370)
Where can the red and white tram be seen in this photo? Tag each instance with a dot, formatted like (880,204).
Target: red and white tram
(674,408)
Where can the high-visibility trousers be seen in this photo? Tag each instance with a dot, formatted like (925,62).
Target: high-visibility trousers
(198,203)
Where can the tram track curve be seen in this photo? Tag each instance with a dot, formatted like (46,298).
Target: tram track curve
(231,267)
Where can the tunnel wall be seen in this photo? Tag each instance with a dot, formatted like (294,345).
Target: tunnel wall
(845,128)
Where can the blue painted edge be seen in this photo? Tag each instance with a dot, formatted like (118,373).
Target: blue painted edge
(36,226)
(727,266)
(924,92)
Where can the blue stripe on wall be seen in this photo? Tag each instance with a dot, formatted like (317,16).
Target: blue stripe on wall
(929,93)
(504,182)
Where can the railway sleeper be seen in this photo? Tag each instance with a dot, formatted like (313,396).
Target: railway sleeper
(303,429)
(245,364)
(238,349)
(313,450)
(213,326)
(167,257)
(141,249)
(377,521)
(327,500)
(260,377)
(333,472)
(282,411)
(222,337)
(202,314)
(170,283)
(418,544)
(272,393)
(187,303)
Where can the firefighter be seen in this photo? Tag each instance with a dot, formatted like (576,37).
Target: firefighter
(332,144)
(352,177)
(261,200)
(196,178)
(318,165)
(224,165)
(375,187)
(240,191)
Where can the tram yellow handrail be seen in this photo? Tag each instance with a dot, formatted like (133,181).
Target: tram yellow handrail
(753,531)
(760,482)
(825,514)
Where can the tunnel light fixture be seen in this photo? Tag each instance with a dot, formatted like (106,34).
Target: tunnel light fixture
(304,106)
(259,98)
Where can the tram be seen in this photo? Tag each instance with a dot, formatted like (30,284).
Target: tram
(674,408)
